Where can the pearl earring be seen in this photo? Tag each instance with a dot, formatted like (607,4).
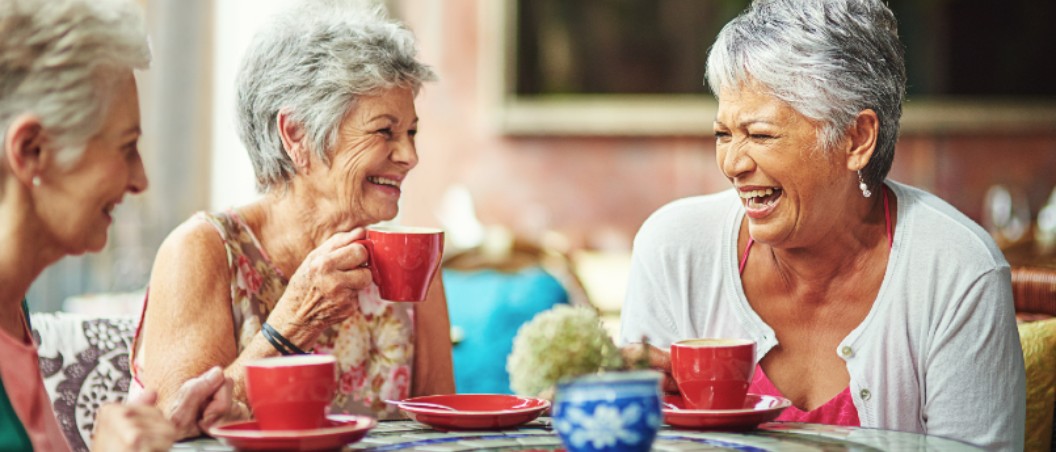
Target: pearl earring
(36,181)
(862,185)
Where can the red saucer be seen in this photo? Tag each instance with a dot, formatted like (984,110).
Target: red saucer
(475,411)
(344,429)
(757,409)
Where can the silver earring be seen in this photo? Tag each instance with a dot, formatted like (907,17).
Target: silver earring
(36,181)
(862,186)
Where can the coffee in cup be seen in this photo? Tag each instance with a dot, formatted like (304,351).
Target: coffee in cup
(713,374)
(403,260)
(291,392)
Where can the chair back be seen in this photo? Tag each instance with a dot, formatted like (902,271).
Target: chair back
(84,360)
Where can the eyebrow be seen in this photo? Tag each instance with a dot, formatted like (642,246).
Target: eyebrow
(134,130)
(391,118)
(747,122)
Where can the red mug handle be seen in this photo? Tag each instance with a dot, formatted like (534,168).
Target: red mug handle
(369,246)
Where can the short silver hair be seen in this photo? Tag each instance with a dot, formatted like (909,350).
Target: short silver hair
(61,60)
(828,59)
(315,61)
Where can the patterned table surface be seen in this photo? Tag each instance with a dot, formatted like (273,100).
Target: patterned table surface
(538,436)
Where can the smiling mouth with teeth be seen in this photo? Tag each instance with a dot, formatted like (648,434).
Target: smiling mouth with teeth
(760,198)
(383,181)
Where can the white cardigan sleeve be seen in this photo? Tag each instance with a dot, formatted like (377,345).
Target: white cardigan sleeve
(974,377)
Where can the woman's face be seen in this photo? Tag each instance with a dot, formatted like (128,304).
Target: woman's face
(375,150)
(81,196)
(793,191)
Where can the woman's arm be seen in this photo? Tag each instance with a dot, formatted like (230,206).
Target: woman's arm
(974,378)
(188,325)
(433,371)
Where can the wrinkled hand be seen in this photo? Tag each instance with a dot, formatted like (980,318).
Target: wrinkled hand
(135,426)
(656,358)
(324,289)
(201,402)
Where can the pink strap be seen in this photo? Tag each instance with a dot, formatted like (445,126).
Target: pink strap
(887,224)
(744,260)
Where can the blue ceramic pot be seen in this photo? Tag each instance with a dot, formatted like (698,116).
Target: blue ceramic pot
(616,411)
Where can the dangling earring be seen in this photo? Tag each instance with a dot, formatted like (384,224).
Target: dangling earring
(36,181)
(862,186)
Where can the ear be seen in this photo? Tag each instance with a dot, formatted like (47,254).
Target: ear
(24,148)
(293,142)
(862,135)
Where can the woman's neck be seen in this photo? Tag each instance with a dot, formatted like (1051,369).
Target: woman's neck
(24,253)
(290,225)
(845,248)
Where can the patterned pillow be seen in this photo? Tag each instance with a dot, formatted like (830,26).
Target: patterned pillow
(84,360)
(1039,355)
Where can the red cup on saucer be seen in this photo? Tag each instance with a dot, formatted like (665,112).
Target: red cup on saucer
(713,374)
(291,392)
(403,260)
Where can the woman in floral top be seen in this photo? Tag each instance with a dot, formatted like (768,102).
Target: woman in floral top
(326,109)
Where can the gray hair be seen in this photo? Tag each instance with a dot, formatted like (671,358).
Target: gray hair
(828,59)
(315,62)
(61,60)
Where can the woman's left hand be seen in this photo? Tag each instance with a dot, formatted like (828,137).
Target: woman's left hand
(136,425)
(657,359)
(200,403)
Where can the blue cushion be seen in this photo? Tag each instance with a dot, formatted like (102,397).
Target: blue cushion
(488,307)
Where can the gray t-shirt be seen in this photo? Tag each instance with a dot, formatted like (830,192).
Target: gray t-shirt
(938,352)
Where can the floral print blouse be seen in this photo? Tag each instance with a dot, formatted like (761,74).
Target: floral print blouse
(374,347)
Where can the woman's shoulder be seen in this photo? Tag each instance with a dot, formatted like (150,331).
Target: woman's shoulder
(197,239)
(699,216)
(936,228)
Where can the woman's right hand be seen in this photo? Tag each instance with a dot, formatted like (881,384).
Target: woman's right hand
(136,425)
(656,358)
(323,291)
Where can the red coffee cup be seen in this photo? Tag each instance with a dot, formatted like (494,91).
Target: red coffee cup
(713,374)
(291,392)
(403,260)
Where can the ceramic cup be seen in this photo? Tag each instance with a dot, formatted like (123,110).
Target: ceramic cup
(614,411)
(713,374)
(291,392)
(403,260)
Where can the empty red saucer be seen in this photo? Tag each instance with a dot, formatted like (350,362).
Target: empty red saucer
(473,411)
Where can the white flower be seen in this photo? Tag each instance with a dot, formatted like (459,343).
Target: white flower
(605,428)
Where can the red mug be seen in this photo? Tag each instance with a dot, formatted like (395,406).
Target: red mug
(291,392)
(713,374)
(403,260)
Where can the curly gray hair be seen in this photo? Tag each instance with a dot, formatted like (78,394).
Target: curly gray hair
(828,59)
(59,60)
(315,62)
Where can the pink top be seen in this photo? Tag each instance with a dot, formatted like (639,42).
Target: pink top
(839,410)
(25,388)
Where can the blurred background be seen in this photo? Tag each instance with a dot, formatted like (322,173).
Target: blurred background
(563,124)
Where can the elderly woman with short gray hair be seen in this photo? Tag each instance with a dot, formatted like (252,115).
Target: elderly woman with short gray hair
(69,119)
(871,302)
(326,110)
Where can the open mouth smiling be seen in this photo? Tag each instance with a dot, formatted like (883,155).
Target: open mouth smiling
(378,180)
(760,198)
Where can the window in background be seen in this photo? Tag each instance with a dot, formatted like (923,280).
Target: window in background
(636,67)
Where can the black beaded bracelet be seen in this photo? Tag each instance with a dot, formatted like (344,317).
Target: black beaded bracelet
(280,343)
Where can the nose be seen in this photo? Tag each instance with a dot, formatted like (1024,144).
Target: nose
(137,177)
(405,152)
(734,160)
